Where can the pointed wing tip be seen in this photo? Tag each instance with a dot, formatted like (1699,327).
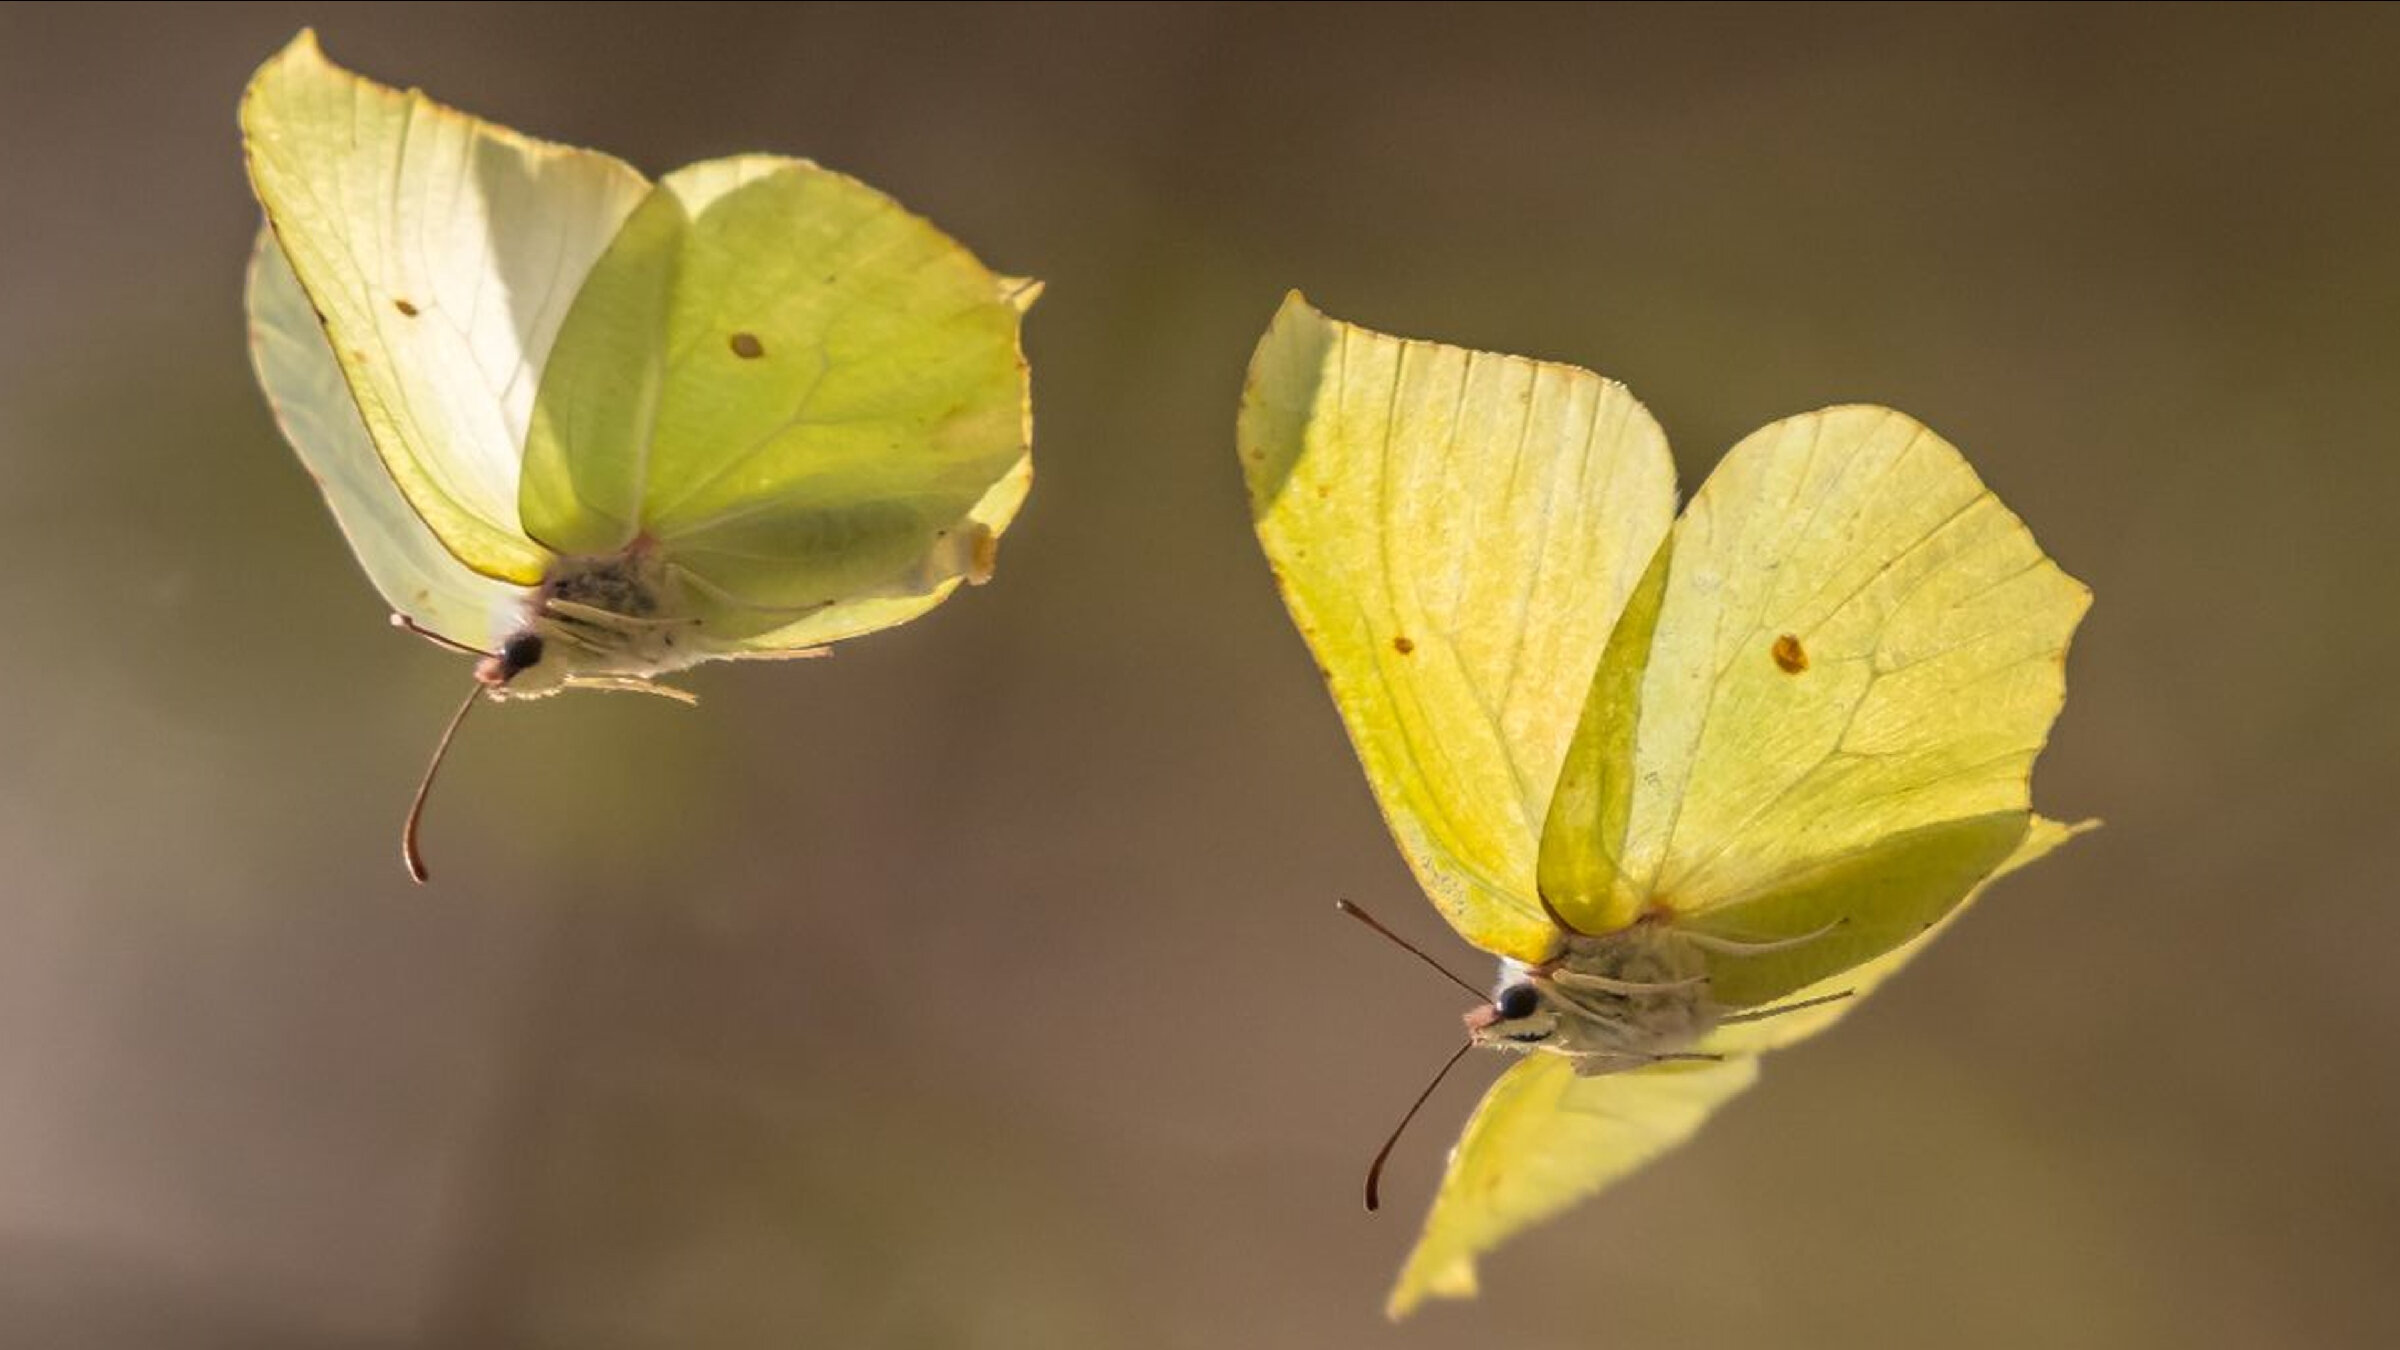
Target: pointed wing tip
(1294,311)
(1293,320)
(1020,293)
(1453,1281)
(302,50)
(303,44)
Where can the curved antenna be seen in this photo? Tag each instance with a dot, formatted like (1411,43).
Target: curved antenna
(1411,948)
(408,625)
(1382,1155)
(409,856)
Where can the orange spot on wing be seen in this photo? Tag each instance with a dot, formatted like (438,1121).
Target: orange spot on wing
(1790,656)
(1402,645)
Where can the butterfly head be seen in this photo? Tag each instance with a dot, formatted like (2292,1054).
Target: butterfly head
(523,651)
(1521,1015)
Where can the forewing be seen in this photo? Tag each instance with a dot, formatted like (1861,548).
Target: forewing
(813,401)
(442,252)
(1543,1139)
(1857,648)
(415,574)
(1454,532)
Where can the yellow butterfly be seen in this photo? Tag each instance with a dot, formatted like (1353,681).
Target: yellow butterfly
(1695,782)
(596,430)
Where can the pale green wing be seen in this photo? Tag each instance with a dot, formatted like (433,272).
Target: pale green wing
(812,400)
(1543,1139)
(932,583)
(441,252)
(1857,653)
(312,403)
(1454,532)
(1857,981)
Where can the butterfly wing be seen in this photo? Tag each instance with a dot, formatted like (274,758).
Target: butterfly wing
(441,252)
(1544,1138)
(1454,533)
(1825,709)
(813,401)
(1853,984)
(415,574)
(914,591)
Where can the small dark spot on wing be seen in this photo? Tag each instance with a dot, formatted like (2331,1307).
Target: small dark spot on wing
(748,347)
(405,307)
(1403,645)
(1790,656)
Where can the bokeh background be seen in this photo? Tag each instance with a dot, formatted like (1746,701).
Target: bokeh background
(980,987)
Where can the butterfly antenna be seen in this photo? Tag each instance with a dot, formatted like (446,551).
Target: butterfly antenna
(1384,1154)
(409,855)
(1407,946)
(408,625)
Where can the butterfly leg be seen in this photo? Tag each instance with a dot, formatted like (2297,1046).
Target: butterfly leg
(610,619)
(1762,1014)
(626,684)
(1763,947)
(797,654)
(1576,979)
(567,633)
(731,601)
(1618,1061)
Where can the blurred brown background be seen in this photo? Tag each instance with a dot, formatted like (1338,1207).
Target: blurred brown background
(981,987)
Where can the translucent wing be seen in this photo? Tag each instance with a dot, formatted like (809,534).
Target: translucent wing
(1454,532)
(312,403)
(911,593)
(1833,712)
(442,252)
(1857,981)
(1543,1139)
(812,400)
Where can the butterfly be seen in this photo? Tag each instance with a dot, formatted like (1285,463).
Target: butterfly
(593,429)
(1698,782)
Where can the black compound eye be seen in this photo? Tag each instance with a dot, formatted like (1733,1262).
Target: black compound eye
(1517,1001)
(522,652)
